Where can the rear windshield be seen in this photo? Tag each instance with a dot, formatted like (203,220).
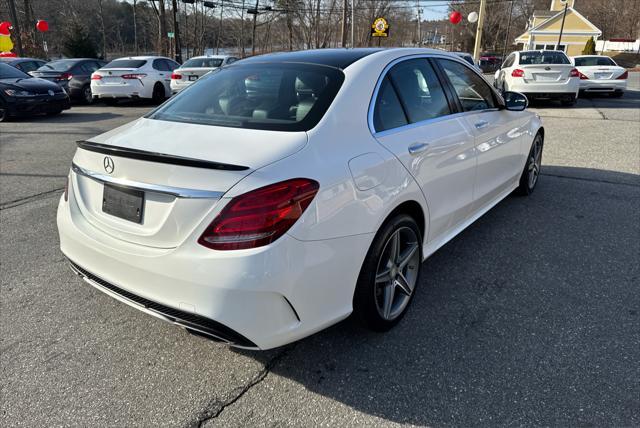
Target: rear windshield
(10,72)
(544,57)
(593,60)
(280,97)
(126,63)
(203,62)
(59,65)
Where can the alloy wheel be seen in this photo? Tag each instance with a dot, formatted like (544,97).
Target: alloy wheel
(535,162)
(397,273)
(88,97)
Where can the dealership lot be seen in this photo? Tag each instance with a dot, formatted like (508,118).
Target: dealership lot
(529,316)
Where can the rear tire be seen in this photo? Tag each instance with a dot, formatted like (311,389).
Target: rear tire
(158,95)
(532,168)
(4,114)
(87,97)
(389,274)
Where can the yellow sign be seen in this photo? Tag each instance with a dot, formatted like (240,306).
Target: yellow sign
(380,28)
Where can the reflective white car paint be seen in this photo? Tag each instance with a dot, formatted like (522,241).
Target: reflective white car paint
(305,280)
(601,78)
(108,82)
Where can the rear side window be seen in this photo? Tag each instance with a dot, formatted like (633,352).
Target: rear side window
(419,90)
(509,61)
(281,97)
(388,112)
(126,63)
(544,57)
(594,60)
(473,92)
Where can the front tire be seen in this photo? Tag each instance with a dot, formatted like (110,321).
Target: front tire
(531,173)
(389,274)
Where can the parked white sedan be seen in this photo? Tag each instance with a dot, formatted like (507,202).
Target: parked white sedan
(196,67)
(600,74)
(539,75)
(135,77)
(282,193)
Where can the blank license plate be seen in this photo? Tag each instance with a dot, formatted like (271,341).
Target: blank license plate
(601,75)
(193,77)
(546,77)
(122,202)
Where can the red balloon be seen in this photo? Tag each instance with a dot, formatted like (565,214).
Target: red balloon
(42,25)
(5,26)
(455,17)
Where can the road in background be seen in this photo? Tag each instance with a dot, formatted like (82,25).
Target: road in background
(530,316)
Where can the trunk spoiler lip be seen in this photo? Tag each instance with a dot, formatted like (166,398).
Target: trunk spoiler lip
(129,153)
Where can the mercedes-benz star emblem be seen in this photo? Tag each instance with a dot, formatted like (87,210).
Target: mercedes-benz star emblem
(50,93)
(108,164)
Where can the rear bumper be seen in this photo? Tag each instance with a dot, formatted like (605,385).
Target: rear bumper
(178,86)
(592,85)
(260,298)
(547,89)
(137,90)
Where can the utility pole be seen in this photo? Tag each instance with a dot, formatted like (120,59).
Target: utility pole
(219,27)
(253,30)
(135,28)
(419,30)
(343,36)
(478,45)
(506,37)
(16,26)
(564,15)
(176,32)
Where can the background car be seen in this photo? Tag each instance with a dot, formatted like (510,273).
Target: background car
(195,68)
(24,64)
(600,74)
(146,77)
(244,216)
(72,74)
(543,74)
(23,95)
(469,58)
(489,64)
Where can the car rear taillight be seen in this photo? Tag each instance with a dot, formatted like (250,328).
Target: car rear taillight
(64,76)
(176,76)
(134,76)
(623,76)
(582,76)
(517,73)
(574,73)
(96,77)
(261,216)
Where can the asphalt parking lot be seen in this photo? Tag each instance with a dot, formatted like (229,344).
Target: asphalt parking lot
(529,317)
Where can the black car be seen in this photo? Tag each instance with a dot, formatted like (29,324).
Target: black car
(24,64)
(74,75)
(23,95)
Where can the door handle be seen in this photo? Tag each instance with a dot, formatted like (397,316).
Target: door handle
(416,148)
(481,124)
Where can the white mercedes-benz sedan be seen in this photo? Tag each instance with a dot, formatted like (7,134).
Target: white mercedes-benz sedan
(600,74)
(196,67)
(278,195)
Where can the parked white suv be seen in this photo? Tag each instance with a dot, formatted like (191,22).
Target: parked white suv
(600,74)
(539,75)
(196,67)
(134,77)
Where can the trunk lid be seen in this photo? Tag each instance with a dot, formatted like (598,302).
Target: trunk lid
(182,170)
(547,73)
(113,76)
(601,72)
(192,73)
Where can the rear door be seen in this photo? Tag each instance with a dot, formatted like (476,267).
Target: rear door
(498,132)
(413,119)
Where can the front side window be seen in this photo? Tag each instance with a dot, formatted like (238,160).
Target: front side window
(419,90)
(281,97)
(473,92)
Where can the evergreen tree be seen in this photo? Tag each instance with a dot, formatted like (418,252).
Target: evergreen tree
(589,47)
(78,43)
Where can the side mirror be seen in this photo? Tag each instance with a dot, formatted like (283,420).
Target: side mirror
(515,101)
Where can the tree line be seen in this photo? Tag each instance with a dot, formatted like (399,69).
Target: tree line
(112,28)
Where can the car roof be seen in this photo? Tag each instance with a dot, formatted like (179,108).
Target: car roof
(590,56)
(337,58)
(209,56)
(17,59)
(142,57)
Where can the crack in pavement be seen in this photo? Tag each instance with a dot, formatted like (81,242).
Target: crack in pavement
(216,406)
(27,199)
